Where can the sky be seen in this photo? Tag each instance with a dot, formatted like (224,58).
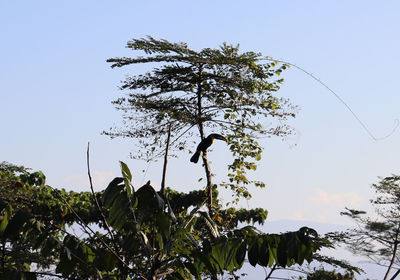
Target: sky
(56,91)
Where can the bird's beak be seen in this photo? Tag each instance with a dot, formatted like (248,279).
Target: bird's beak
(220,137)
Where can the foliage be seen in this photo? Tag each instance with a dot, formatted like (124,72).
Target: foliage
(33,221)
(153,235)
(127,233)
(221,90)
(321,274)
(377,238)
(326,261)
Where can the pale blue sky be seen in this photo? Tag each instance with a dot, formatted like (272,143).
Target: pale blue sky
(56,89)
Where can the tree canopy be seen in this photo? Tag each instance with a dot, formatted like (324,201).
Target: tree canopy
(377,236)
(202,92)
(133,233)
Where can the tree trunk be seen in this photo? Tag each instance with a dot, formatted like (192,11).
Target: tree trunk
(394,254)
(202,136)
(165,160)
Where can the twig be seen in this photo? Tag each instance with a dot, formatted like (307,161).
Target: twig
(270,273)
(48,274)
(98,204)
(173,142)
(394,252)
(191,218)
(395,275)
(95,198)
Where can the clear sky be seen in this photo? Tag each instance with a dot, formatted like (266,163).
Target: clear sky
(56,89)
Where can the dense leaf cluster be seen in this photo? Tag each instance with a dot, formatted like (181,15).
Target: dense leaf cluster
(146,235)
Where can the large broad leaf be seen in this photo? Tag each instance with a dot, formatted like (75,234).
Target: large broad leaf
(110,260)
(87,252)
(126,174)
(264,252)
(149,201)
(253,252)
(119,213)
(204,258)
(302,251)
(240,254)
(282,251)
(193,270)
(233,246)
(272,256)
(113,190)
(115,198)
(218,253)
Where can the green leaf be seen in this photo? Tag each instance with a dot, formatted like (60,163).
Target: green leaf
(149,201)
(163,225)
(233,246)
(126,174)
(88,253)
(241,254)
(273,242)
(218,254)
(253,252)
(4,221)
(118,214)
(112,191)
(110,260)
(205,259)
(264,253)
(193,270)
(282,256)
(272,256)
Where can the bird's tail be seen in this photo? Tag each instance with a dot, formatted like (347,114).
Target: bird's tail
(195,157)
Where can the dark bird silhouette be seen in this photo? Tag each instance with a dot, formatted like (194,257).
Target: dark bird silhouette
(204,144)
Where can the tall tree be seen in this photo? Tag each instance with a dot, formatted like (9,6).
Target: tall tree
(378,236)
(203,92)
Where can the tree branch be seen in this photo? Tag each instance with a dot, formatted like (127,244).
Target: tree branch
(96,200)
(270,273)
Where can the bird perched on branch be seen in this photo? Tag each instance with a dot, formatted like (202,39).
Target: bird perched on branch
(204,144)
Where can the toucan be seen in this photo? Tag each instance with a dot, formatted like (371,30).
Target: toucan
(204,144)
